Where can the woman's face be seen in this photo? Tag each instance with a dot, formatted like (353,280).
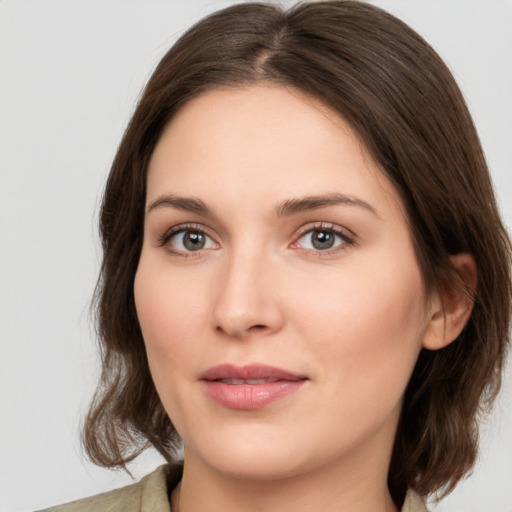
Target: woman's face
(278,291)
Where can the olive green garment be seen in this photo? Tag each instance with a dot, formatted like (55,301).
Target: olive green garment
(152,493)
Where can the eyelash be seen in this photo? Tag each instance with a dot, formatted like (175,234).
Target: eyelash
(182,228)
(346,239)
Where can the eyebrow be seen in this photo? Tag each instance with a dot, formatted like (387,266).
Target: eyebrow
(187,204)
(286,208)
(301,204)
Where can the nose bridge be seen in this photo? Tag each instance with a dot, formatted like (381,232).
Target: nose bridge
(245,301)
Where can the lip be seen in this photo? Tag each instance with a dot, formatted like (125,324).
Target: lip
(251,386)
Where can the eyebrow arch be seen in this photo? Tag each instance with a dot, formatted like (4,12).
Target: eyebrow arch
(301,204)
(187,204)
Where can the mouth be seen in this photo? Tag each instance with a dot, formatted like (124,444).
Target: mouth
(249,387)
(240,382)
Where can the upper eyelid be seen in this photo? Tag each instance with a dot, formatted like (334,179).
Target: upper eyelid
(327,226)
(186,226)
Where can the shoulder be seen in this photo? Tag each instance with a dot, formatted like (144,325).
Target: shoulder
(413,503)
(148,495)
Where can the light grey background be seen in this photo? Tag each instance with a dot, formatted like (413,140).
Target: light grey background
(70,73)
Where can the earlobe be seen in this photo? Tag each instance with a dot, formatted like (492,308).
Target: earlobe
(452,304)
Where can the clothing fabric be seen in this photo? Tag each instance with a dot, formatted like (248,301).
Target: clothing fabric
(151,494)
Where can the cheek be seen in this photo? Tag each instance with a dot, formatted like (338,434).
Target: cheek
(168,312)
(169,318)
(366,333)
(367,324)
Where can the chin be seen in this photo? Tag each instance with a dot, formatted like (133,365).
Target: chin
(260,466)
(251,457)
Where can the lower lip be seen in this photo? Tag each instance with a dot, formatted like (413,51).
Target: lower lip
(250,396)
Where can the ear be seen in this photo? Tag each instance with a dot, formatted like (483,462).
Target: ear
(452,304)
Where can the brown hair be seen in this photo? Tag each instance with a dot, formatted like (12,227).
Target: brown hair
(399,96)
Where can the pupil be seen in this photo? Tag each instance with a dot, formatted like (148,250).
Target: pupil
(323,240)
(193,240)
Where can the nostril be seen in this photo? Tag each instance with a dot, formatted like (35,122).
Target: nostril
(253,328)
(238,319)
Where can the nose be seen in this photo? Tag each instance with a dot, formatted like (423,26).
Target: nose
(247,299)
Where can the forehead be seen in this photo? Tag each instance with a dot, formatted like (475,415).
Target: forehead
(259,143)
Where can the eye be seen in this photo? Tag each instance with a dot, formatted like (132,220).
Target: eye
(188,240)
(322,239)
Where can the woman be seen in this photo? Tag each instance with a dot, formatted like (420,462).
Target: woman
(305,277)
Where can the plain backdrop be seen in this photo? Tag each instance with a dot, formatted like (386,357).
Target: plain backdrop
(70,73)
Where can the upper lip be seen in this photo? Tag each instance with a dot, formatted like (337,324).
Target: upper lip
(250,371)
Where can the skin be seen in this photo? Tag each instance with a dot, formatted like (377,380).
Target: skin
(352,318)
